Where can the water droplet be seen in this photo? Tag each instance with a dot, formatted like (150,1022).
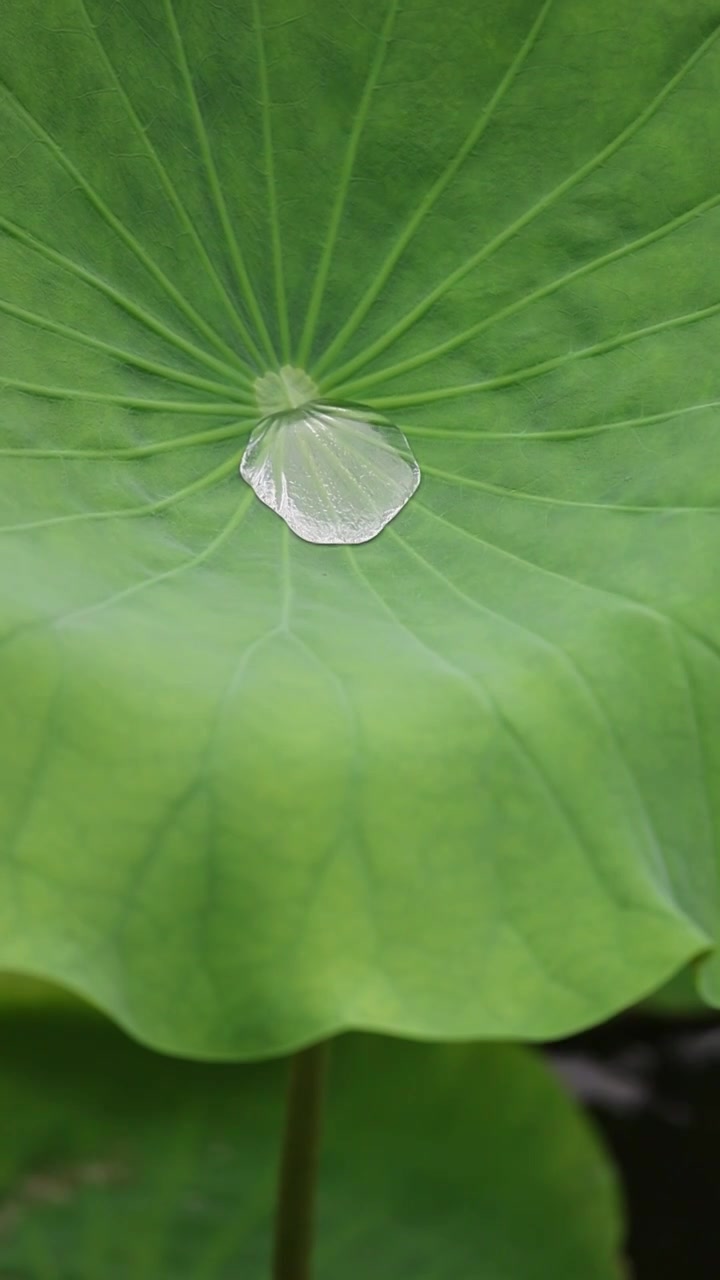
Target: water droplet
(333,475)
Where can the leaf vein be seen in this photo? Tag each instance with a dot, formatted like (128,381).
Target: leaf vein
(656,864)
(44,323)
(128,238)
(120,513)
(504,491)
(517,376)
(273,212)
(167,183)
(346,171)
(432,196)
(412,317)
(426,357)
(236,256)
(192,562)
(114,295)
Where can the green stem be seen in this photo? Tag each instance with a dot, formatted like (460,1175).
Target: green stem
(294,1215)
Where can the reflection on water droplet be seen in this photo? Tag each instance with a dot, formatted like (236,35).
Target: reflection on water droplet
(331,474)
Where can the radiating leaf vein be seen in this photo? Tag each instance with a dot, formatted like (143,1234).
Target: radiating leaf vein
(132,358)
(226,468)
(417,217)
(567,433)
(412,317)
(121,300)
(192,562)
(346,171)
(432,354)
(236,256)
(167,183)
(114,222)
(506,491)
(435,394)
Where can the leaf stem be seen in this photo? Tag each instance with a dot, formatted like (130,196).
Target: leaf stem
(294,1215)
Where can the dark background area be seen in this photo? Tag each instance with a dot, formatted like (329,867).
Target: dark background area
(652,1084)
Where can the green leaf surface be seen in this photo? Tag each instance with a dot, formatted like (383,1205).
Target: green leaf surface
(463,780)
(439,1163)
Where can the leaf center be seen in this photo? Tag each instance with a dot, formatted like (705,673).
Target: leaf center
(288,389)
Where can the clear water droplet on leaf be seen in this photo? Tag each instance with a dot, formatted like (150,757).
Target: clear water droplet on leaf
(332,474)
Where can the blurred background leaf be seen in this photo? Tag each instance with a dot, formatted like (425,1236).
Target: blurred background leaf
(440,1163)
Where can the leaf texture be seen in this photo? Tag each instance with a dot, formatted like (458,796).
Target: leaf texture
(462,780)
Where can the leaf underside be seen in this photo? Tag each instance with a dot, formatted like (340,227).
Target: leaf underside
(459,781)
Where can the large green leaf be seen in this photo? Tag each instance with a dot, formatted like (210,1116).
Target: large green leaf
(462,780)
(439,1163)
